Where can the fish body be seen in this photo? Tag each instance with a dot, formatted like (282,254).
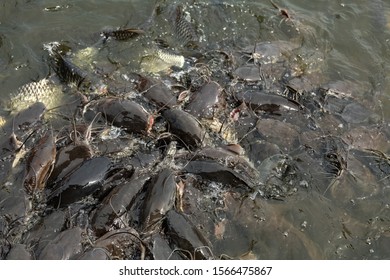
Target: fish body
(159,61)
(67,71)
(44,90)
(71,74)
(183,28)
(40,163)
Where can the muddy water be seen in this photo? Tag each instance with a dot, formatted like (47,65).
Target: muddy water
(340,217)
(351,37)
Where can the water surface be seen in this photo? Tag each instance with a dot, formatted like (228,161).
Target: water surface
(345,41)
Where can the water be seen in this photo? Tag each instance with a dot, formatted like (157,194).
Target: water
(342,40)
(351,36)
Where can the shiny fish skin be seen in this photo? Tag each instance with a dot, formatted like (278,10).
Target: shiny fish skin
(183,29)
(159,61)
(67,71)
(217,172)
(257,150)
(116,203)
(126,114)
(81,182)
(204,100)
(185,126)
(169,58)
(40,163)
(157,92)
(67,159)
(258,100)
(153,64)
(186,236)
(160,197)
(120,243)
(44,90)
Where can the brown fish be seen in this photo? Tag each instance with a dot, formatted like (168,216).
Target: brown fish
(40,163)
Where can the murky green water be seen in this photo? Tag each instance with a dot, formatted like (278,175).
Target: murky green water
(340,40)
(351,36)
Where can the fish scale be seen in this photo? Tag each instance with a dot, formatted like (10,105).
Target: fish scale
(43,90)
(67,71)
(183,29)
(160,60)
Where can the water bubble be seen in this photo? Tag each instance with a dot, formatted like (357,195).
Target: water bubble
(304,184)
(303,225)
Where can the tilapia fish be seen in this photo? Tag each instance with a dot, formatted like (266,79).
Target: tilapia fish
(45,90)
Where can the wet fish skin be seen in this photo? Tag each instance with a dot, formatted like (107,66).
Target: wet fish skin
(153,64)
(67,71)
(119,243)
(204,101)
(67,159)
(157,92)
(169,58)
(186,127)
(183,29)
(117,203)
(160,197)
(160,60)
(44,90)
(272,103)
(126,114)
(40,163)
(86,179)
(215,171)
(186,236)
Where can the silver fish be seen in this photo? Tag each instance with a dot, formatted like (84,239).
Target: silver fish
(182,27)
(44,90)
(160,60)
